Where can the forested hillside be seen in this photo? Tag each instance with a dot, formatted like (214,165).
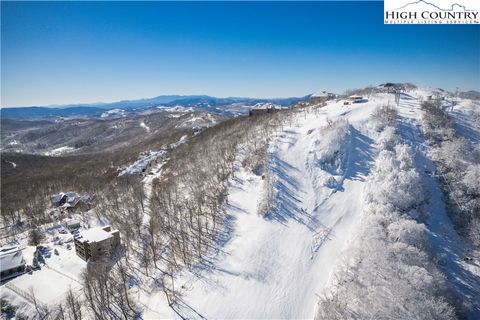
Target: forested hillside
(326,210)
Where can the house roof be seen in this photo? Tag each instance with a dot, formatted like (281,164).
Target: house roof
(72,199)
(57,197)
(6,249)
(265,106)
(10,259)
(95,235)
(70,196)
(321,94)
(72,222)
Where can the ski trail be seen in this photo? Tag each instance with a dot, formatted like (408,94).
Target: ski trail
(274,267)
(155,173)
(147,189)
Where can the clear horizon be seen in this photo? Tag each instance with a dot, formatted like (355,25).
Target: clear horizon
(60,53)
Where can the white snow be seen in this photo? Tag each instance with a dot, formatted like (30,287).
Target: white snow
(275,267)
(28,254)
(49,284)
(14,165)
(95,235)
(448,246)
(145,160)
(181,109)
(147,187)
(267,105)
(203,120)
(11,258)
(61,270)
(144,126)
(320,94)
(155,173)
(182,140)
(142,163)
(13,143)
(59,151)
(113,113)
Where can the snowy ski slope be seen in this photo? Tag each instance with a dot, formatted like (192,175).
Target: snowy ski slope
(277,266)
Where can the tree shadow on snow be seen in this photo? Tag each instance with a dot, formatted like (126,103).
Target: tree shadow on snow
(359,158)
(463,125)
(449,249)
(288,204)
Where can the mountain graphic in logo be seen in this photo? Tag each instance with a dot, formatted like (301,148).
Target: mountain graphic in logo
(452,7)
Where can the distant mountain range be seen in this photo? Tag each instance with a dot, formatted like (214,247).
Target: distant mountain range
(46,112)
(472,94)
(197,102)
(96,109)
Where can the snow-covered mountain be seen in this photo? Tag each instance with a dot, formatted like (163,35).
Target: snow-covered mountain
(359,210)
(197,102)
(277,266)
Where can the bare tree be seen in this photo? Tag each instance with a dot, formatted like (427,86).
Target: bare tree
(73,306)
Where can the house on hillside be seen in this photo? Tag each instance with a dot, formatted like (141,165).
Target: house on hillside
(72,224)
(12,263)
(263,109)
(196,130)
(71,201)
(97,243)
(354,99)
(323,95)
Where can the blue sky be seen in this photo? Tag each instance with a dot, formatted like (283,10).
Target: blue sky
(73,52)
